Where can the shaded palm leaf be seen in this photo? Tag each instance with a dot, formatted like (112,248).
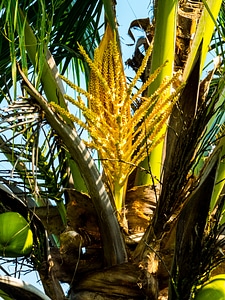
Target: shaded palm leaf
(190,231)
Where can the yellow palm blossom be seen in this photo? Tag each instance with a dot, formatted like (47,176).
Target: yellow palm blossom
(119,136)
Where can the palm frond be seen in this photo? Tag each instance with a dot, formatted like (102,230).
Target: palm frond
(61,38)
(190,231)
(34,151)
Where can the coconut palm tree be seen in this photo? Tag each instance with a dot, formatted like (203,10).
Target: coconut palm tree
(149,214)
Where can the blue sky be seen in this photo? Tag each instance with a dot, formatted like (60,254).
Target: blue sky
(127,11)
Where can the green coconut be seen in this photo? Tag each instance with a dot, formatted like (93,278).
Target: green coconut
(214,289)
(16,237)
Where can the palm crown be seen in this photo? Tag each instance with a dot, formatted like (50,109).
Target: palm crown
(175,111)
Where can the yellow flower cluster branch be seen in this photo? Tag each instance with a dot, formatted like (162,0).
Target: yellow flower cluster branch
(119,136)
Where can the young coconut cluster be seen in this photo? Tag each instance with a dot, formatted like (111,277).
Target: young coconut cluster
(16,237)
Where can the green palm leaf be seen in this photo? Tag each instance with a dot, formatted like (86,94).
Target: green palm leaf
(61,38)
